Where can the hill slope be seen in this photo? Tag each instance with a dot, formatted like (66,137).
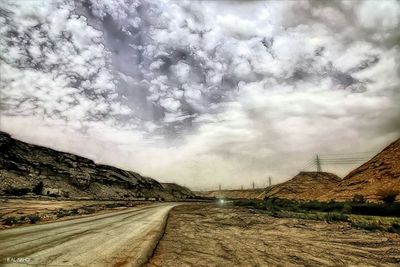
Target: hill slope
(304,186)
(178,191)
(23,166)
(380,173)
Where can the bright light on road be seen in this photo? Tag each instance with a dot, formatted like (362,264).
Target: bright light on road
(221,201)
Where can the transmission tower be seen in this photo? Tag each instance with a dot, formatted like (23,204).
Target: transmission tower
(318,162)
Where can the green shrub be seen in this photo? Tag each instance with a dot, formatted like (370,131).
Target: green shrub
(350,207)
(17,191)
(367,226)
(89,210)
(61,213)
(358,199)
(388,195)
(74,211)
(346,208)
(336,217)
(376,209)
(10,221)
(33,219)
(394,228)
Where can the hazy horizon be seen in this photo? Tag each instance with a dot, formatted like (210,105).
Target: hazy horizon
(203,93)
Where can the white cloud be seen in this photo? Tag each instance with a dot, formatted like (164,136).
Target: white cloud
(244,89)
(382,15)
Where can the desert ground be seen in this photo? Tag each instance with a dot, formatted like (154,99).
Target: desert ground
(21,212)
(225,235)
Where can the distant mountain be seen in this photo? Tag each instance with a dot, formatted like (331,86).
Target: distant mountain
(380,173)
(304,186)
(27,169)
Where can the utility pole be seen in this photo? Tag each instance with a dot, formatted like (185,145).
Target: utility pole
(219,187)
(318,162)
(253,185)
(269,181)
(241,187)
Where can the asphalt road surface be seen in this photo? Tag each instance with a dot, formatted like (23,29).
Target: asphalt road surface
(123,238)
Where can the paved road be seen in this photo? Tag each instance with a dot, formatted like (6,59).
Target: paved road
(122,238)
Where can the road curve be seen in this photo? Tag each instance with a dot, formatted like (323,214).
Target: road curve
(123,238)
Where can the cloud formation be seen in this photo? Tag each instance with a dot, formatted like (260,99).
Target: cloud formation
(202,92)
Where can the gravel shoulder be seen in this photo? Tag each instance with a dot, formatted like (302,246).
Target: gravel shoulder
(212,235)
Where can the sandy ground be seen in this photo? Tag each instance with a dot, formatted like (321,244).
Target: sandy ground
(123,238)
(210,235)
(56,210)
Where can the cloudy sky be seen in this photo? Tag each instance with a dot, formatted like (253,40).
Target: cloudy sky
(202,92)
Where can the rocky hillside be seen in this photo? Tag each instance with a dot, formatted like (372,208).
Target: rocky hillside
(234,194)
(178,191)
(380,174)
(304,186)
(27,169)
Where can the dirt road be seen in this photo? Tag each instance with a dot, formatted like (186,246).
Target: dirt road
(115,239)
(210,235)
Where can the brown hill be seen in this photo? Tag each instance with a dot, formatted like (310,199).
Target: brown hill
(178,191)
(304,186)
(380,173)
(24,166)
(234,194)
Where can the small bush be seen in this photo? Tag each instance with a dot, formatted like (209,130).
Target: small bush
(89,210)
(336,217)
(74,211)
(388,195)
(61,213)
(358,199)
(37,189)
(366,226)
(33,219)
(346,208)
(17,191)
(10,221)
(394,228)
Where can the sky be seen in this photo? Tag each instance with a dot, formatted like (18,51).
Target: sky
(202,92)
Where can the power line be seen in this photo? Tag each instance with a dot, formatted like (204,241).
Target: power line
(345,154)
(332,160)
(353,158)
(338,159)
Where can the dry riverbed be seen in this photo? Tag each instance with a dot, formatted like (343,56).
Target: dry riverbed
(211,235)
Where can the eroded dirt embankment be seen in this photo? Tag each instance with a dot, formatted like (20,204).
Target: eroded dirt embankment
(209,235)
